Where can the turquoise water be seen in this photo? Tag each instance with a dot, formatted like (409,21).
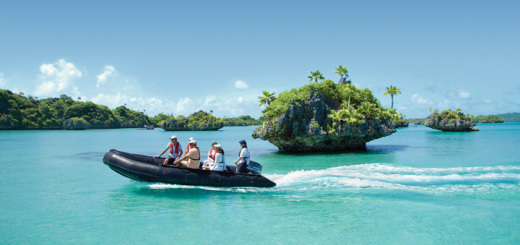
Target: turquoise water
(417,186)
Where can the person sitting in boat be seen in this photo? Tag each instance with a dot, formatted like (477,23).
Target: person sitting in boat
(219,163)
(211,155)
(243,158)
(175,151)
(192,159)
(188,146)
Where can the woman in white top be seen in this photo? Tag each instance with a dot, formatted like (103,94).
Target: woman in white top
(219,164)
(211,156)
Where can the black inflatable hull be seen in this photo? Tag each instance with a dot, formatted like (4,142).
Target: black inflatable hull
(150,169)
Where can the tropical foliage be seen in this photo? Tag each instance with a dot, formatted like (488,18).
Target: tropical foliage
(392,90)
(241,121)
(488,119)
(355,105)
(20,112)
(266,98)
(316,76)
(197,121)
(510,117)
(342,71)
(449,120)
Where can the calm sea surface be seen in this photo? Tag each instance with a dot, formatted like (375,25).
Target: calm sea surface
(417,186)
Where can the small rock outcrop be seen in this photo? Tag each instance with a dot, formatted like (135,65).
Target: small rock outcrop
(449,120)
(305,127)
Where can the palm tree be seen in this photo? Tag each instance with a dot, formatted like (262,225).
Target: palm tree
(392,90)
(353,117)
(343,73)
(316,76)
(266,98)
(335,116)
(368,109)
(348,89)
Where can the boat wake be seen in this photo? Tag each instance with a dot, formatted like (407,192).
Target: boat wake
(465,180)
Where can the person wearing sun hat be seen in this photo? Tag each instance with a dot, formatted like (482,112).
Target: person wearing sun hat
(219,164)
(188,146)
(243,158)
(175,150)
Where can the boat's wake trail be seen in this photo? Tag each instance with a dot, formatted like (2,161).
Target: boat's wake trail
(463,180)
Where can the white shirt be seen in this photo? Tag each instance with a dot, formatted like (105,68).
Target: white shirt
(244,154)
(218,164)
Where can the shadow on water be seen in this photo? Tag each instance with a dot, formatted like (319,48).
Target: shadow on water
(96,156)
(385,149)
(370,149)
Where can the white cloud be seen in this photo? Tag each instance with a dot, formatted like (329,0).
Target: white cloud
(3,80)
(416,98)
(444,104)
(210,100)
(184,105)
(102,78)
(241,85)
(464,94)
(58,78)
(222,106)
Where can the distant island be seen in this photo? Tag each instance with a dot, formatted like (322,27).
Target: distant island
(488,119)
(499,118)
(449,120)
(198,121)
(20,112)
(241,121)
(324,117)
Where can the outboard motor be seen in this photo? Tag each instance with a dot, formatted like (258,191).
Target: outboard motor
(254,167)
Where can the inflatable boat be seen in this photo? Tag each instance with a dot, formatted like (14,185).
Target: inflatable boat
(150,169)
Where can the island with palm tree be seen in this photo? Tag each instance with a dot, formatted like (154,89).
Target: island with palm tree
(449,120)
(324,116)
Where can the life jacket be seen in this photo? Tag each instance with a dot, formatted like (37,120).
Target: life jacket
(176,147)
(188,147)
(211,154)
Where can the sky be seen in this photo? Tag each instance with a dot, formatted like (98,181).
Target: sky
(178,57)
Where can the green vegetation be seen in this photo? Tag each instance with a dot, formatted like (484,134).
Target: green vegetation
(20,112)
(354,105)
(326,116)
(449,120)
(130,118)
(449,114)
(416,121)
(241,121)
(266,98)
(488,119)
(510,117)
(316,76)
(161,118)
(197,121)
(392,90)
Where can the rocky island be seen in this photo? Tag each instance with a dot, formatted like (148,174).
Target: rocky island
(325,117)
(449,120)
(198,121)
